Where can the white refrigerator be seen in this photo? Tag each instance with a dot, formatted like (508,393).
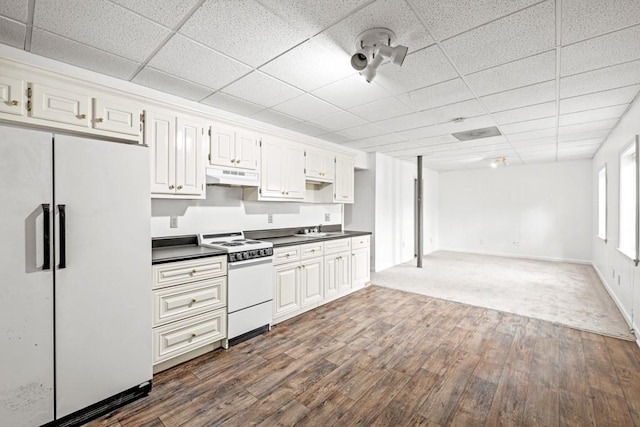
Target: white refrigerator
(75,276)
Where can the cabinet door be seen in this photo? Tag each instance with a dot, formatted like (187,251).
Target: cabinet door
(314,164)
(160,136)
(246,150)
(60,105)
(222,146)
(344,180)
(312,281)
(11,95)
(189,161)
(360,267)
(116,117)
(287,289)
(331,287)
(272,169)
(294,172)
(344,272)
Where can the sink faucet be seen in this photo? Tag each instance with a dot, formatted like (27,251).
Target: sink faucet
(320,228)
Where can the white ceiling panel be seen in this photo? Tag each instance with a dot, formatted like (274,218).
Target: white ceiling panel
(531,144)
(380,110)
(206,67)
(392,14)
(275,118)
(242,29)
(167,83)
(521,97)
(446,113)
(100,24)
(582,19)
(598,80)
(524,72)
(336,137)
(592,101)
(351,92)
(12,33)
(306,107)
(602,133)
(339,121)
(448,92)
(232,104)
(262,89)
(422,68)
(532,135)
(376,141)
(318,68)
(308,129)
(167,13)
(449,127)
(363,131)
(593,115)
(419,143)
(71,52)
(15,9)
(603,51)
(448,18)
(538,124)
(406,122)
(587,127)
(531,112)
(513,37)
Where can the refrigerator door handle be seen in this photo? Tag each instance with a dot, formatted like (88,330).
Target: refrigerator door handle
(46,236)
(63,236)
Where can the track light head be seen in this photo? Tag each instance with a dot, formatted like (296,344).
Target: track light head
(370,71)
(361,58)
(372,46)
(395,54)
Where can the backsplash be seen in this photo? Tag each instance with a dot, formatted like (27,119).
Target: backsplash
(224,210)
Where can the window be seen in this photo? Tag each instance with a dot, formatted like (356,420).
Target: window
(602,203)
(628,200)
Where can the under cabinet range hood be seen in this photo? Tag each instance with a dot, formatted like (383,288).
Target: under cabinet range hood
(232,177)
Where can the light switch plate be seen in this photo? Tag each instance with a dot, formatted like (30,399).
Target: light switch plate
(327,217)
(270,218)
(173,222)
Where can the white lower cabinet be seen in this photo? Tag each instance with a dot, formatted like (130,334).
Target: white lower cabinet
(311,282)
(337,274)
(360,261)
(286,298)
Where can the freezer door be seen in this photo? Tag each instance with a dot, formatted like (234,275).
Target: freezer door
(26,289)
(103,290)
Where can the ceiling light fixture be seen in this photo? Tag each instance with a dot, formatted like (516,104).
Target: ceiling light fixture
(372,47)
(499,161)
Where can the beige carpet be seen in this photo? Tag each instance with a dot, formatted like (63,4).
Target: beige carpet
(559,292)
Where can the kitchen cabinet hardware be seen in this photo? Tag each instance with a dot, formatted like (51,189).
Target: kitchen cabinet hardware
(82,116)
(171,187)
(237,161)
(46,236)
(233,160)
(179,187)
(193,300)
(15,102)
(194,271)
(193,335)
(99,120)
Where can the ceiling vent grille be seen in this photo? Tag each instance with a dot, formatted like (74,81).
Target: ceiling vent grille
(468,135)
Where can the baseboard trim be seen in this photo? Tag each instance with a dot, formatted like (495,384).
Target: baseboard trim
(613,296)
(521,256)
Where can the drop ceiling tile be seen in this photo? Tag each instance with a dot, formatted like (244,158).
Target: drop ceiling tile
(595,134)
(376,141)
(167,13)
(537,149)
(524,72)
(582,19)
(308,129)
(336,137)
(306,107)
(380,110)
(100,24)
(420,143)
(167,83)
(603,51)
(598,80)
(422,68)
(582,143)
(71,52)
(531,112)
(513,37)
(521,97)
(446,113)
(534,134)
(592,101)
(12,33)
(205,66)
(310,66)
(401,123)
(545,123)
(587,127)
(392,14)
(447,18)
(231,103)
(15,9)
(275,118)
(593,115)
(242,29)
(530,145)
(351,92)
(363,131)
(437,95)
(478,122)
(262,89)
(312,16)
(339,121)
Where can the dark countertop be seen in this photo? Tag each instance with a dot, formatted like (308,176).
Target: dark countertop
(182,253)
(294,240)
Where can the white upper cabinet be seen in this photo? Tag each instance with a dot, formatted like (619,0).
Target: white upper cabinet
(12,95)
(282,170)
(160,136)
(318,165)
(233,148)
(189,157)
(116,116)
(59,104)
(344,180)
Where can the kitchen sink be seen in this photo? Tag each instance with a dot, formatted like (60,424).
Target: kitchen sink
(321,234)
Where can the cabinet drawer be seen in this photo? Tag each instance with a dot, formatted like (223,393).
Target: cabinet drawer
(335,246)
(311,250)
(286,254)
(180,337)
(113,116)
(360,242)
(182,301)
(188,271)
(59,104)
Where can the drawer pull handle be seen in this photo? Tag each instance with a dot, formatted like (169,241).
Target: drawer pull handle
(82,116)
(194,271)
(171,187)
(193,300)
(15,103)
(99,120)
(361,241)
(287,255)
(313,250)
(233,160)
(237,161)
(193,335)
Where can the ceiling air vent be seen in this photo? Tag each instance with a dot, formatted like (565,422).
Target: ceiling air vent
(468,135)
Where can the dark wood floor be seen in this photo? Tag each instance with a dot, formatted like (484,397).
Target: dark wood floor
(390,358)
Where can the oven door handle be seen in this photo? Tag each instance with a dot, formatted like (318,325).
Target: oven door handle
(249,262)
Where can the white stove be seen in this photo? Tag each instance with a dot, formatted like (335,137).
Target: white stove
(250,283)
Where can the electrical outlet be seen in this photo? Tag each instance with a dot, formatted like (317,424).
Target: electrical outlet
(618,279)
(270,218)
(173,222)
(327,217)
(613,272)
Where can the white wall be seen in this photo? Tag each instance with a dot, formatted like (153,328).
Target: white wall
(617,271)
(224,210)
(539,211)
(360,215)
(431,213)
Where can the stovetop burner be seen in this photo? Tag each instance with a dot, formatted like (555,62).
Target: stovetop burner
(229,243)
(235,243)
